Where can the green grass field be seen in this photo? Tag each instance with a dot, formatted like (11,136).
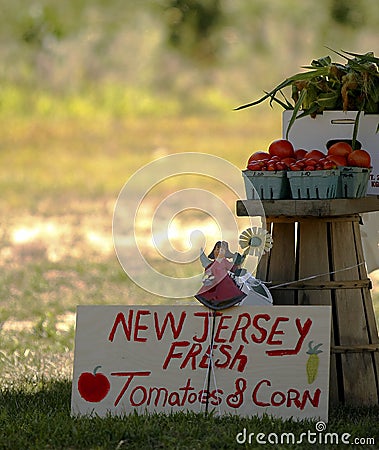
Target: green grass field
(59,180)
(37,417)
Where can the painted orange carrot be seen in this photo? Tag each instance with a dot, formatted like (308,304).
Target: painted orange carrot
(313,361)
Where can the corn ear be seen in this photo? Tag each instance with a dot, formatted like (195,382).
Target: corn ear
(313,361)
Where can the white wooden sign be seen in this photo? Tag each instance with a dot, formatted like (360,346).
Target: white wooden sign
(271,360)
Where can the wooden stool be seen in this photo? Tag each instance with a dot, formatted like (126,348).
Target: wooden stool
(318,247)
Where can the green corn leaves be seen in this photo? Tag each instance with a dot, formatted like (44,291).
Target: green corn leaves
(326,85)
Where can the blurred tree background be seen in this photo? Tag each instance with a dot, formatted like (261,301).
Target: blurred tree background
(127,57)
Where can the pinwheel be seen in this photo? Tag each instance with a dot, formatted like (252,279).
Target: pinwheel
(255,241)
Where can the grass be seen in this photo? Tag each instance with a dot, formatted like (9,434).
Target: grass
(37,416)
(59,180)
(47,161)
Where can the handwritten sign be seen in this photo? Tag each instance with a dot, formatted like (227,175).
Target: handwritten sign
(271,360)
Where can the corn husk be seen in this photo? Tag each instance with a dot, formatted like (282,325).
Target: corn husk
(327,85)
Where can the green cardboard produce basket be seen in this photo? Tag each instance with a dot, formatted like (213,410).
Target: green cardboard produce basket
(353,182)
(318,184)
(266,185)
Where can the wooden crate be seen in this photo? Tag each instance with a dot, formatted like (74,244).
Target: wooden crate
(317,259)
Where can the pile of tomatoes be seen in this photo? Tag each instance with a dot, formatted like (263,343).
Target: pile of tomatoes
(281,155)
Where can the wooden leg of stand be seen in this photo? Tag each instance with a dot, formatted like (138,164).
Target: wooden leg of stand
(282,261)
(372,328)
(313,259)
(357,370)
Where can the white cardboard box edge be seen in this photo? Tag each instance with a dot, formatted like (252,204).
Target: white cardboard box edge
(313,133)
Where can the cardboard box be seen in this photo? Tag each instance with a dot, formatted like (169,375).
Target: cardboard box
(309,133)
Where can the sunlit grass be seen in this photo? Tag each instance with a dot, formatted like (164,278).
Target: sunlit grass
(61,160)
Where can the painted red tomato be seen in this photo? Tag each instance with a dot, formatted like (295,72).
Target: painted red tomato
(93,387)
(337,159)
(359,158)
(340,149)
(314,154)
(281,148)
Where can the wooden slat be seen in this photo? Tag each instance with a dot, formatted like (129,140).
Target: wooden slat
(262,269)
(359,381)
(355,348)
(323,285)
(313,259)
(372,327)
(282,260)
(284,219)
(315,208)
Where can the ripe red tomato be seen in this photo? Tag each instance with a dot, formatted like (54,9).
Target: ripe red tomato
(271,166)
(281,165)
(300,153)
(301,163)
(340,149)
(337,159)
(315,154)
(259,156)
(288,161)
(311,162)
(328,164)
(309,168)
(359,158)
(281,148)
(295,167)
(256,166)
